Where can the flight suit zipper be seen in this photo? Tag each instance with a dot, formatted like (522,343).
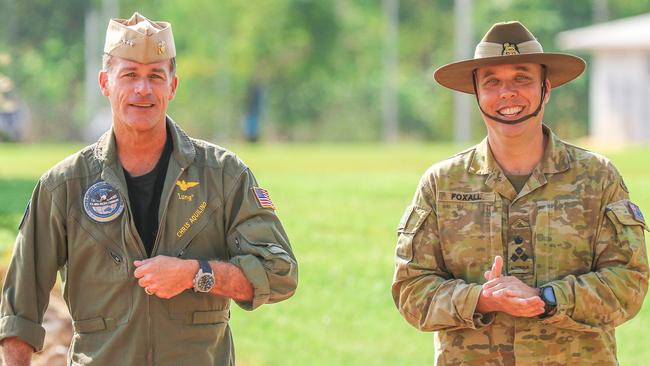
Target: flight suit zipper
(161,227)
(140,248)
(161,219)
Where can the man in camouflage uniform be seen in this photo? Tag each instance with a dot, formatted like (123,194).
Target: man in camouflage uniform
(523,249)
(153,232)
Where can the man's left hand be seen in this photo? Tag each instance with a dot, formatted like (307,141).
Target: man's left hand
(165,276)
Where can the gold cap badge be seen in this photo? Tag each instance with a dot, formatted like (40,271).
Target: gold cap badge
(510,49)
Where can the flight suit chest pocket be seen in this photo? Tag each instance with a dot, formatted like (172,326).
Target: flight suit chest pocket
(561,238)
(98,279)
(470,230)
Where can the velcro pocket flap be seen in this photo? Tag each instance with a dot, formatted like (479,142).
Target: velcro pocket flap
(276,249)
(412,219)
(93,325)
(210,317)
(626,213)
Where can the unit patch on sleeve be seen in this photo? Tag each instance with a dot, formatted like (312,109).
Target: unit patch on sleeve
(102,202)
(263,198)
(636,212)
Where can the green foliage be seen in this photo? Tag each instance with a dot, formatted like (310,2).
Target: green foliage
(320,63)
(45,40)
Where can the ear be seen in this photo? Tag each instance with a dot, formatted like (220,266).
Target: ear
(547,95)
(103,82)
(174,85)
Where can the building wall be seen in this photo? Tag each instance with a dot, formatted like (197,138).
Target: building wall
(620,96)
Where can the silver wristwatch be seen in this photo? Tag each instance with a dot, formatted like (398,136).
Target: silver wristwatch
(204,279)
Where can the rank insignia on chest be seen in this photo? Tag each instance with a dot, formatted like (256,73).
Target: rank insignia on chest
(102,202)
(263,198)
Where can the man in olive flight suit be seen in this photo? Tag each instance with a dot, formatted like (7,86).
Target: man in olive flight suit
(522,250)
(153,232)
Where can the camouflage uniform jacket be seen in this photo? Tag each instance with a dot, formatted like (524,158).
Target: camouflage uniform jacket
(571,227)
(216,217)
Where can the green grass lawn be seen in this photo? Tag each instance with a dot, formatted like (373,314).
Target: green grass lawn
(340,205)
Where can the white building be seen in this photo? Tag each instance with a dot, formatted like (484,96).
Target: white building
(619,95)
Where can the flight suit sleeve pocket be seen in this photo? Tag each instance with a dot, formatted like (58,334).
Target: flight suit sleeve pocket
(256,238)
(267,264)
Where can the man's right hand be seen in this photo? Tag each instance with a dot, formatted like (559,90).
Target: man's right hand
(506,300)
(495,271)
(16,352)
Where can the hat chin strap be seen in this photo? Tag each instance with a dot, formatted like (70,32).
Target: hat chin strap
(519,120)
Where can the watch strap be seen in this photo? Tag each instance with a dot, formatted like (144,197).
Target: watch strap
(204,266)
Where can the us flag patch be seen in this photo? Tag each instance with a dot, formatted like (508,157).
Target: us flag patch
(263,198)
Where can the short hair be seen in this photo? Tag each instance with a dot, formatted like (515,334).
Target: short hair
(107,60)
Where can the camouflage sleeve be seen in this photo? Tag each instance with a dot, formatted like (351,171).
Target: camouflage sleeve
(258,245)
(424,291)
(613,292)
(38,253)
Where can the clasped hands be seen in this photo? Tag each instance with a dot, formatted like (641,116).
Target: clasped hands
(508,294)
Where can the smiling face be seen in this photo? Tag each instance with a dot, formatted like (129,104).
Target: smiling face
(510,92)
(138,93)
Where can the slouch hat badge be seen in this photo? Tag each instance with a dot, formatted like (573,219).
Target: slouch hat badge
(102,202)
(510,49)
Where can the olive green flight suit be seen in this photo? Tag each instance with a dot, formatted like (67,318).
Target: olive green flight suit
(208,210)
(571,227)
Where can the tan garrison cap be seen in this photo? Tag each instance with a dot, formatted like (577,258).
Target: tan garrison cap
(140,39)
(509,43)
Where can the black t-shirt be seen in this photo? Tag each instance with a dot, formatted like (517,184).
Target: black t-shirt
(144,197)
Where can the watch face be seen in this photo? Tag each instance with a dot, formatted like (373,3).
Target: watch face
(205,282)
(549,295)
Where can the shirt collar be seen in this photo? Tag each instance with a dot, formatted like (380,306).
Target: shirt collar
(556,158)
(184,151)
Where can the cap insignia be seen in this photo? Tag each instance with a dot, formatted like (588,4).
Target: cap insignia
(127,42)
(510,49)
(161,47)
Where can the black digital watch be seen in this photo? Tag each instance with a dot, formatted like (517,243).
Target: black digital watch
(548,296)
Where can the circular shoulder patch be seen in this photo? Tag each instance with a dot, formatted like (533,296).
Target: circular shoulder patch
(102,202)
